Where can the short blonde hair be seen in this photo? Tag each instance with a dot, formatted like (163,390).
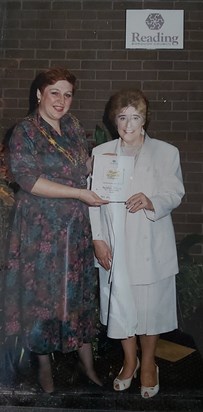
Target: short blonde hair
(125,98)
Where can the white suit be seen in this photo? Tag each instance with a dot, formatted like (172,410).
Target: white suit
(143,243)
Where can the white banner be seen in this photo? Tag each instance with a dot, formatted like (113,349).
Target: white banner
(154,29)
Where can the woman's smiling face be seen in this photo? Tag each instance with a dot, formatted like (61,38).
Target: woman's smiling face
(129,124)
(55,100)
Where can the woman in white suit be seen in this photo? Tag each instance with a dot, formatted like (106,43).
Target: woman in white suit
(135,244)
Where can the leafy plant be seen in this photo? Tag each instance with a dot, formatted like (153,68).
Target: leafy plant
(100,135)
(189,281)
(184,246)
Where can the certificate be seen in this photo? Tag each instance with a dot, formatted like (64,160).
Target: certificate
(112,177)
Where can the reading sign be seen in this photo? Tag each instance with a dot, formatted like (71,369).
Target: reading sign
(154,29)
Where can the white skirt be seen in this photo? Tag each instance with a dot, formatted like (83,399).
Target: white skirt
(141,309)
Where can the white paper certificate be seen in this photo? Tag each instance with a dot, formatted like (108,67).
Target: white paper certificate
(112,177)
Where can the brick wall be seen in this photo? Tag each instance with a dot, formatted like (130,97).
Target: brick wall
(89,38)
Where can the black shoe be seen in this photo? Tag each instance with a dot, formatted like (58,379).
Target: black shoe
(42,391)
(86,378)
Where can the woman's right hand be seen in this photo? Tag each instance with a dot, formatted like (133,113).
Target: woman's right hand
(103,253)
(91,198)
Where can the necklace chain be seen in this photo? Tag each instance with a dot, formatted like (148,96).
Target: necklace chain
(133,149)
(53,142)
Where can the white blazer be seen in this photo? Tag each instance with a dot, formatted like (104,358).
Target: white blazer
(146,238)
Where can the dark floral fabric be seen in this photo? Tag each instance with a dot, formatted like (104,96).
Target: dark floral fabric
(50,284)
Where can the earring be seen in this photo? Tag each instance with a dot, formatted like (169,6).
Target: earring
(142,131)
(38,101)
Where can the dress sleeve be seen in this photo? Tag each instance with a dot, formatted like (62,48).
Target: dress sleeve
(79,130)
(23,161)
(95,219)
(171,189)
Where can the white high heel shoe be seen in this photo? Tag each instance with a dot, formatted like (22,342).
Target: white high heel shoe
(123,384)
(149,392)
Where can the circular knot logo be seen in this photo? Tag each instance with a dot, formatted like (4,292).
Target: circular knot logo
(154,21)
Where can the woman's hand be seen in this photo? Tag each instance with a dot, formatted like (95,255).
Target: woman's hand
(90,198)
(103,253)
(138,202)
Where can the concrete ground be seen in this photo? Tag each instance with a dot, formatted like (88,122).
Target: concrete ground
(181,384)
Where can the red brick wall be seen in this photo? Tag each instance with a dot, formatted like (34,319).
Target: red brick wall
(89,38)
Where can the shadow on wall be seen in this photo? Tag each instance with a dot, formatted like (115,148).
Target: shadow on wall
(108,124)
(32,97)
(5,174)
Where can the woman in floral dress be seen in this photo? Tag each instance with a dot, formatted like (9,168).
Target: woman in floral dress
(50,291)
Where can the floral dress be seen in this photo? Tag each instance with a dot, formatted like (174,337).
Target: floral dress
(50,284)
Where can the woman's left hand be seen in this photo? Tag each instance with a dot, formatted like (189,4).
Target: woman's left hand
(139,201)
